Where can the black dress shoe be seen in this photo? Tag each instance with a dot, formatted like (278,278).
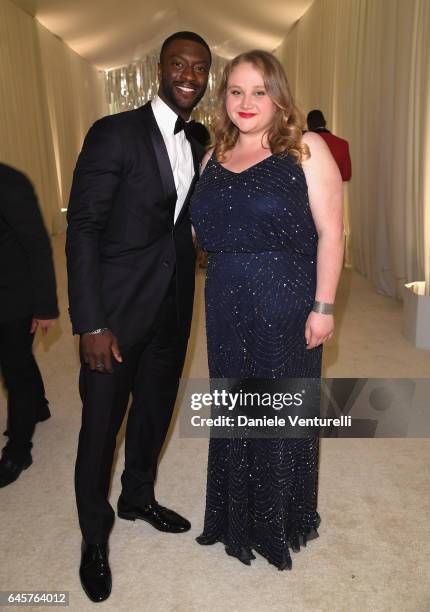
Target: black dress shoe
(95,574)
(11,468)
(159,517)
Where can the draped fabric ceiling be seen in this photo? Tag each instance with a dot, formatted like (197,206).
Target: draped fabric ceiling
(112,33)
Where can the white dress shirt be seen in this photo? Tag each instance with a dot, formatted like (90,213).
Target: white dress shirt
(178,149)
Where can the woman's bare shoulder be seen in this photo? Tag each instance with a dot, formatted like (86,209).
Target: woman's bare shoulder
(312,139)
(318,149)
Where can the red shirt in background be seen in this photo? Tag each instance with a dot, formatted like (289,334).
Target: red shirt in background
(340,150)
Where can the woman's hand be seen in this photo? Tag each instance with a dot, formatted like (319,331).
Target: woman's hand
(319,328)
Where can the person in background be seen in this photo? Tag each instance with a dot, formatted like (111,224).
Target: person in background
(339,148)
(28,302)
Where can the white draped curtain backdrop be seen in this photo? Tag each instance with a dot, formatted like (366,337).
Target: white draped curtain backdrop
(49,97)
(365,63)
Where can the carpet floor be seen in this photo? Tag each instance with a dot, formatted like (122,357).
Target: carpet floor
(374,495)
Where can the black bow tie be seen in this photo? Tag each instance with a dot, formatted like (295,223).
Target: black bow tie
(183,125)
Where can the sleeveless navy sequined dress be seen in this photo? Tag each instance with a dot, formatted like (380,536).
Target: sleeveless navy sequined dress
(258,229)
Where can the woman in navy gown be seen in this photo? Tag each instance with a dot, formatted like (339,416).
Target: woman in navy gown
(268,210)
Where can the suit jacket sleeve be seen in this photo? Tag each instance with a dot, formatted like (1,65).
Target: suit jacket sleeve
(95,181)
(22,214)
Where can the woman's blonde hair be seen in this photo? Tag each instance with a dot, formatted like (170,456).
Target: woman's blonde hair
(285,133)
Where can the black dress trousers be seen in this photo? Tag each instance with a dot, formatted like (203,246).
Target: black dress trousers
(24,384)
(150,372)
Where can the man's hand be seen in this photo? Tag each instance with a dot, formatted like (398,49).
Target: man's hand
(97,351)
(42,324)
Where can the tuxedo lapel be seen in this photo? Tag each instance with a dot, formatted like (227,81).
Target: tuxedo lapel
(196,157)
(161,157)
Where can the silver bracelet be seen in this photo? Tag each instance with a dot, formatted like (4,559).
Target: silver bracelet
(98,331)
(323,307)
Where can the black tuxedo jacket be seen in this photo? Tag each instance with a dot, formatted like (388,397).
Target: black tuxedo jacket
(27,278)
(122,244)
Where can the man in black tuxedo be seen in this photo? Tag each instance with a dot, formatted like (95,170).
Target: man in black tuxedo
(28,302)
(131,264)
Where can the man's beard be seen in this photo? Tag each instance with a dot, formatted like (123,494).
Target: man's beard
(170,95)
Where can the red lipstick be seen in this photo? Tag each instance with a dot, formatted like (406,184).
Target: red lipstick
(247,115)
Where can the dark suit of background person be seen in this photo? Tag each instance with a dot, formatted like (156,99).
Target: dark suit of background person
(131,266)
(27,300)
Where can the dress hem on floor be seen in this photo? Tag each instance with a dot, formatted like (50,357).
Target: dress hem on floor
(246,555)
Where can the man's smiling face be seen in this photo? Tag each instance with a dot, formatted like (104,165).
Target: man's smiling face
(183,73)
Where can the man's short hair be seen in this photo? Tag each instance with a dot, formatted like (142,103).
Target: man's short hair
(185,36)
(315,119)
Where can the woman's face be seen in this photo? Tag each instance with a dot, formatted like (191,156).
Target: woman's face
(247,102)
